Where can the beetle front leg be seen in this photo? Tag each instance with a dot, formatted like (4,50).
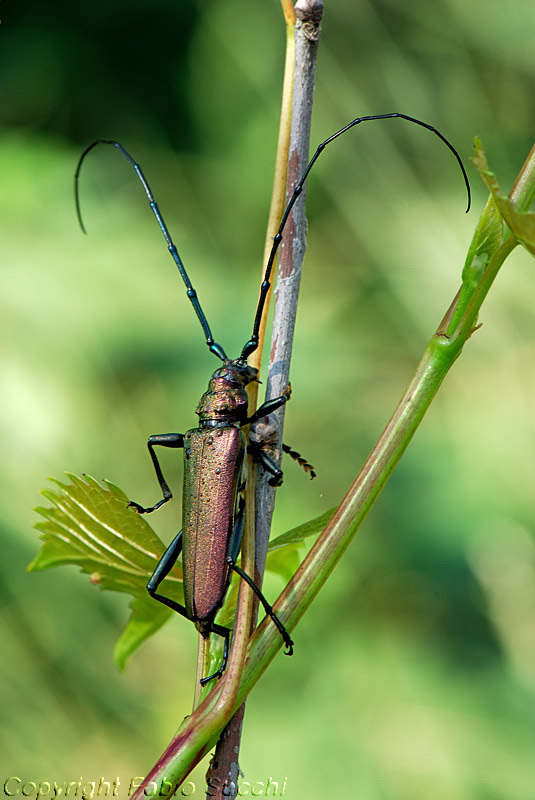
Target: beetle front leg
(175,440)
(270,406)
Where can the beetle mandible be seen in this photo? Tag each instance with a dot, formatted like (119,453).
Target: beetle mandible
(214,452)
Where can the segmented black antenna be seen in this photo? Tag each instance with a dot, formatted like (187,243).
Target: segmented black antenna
(252,344)
(192,294)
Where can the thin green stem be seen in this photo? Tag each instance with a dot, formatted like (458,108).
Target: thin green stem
(466,322)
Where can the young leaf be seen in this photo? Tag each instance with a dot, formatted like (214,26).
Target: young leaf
(522,224)
(91,526)
(283,552)
(302,532)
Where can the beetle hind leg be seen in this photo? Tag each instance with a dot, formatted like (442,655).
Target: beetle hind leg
(232,554)
(288,641)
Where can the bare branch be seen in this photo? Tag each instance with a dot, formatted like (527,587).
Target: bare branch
(292,251)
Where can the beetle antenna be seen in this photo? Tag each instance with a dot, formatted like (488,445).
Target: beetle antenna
(192,294)
(252,344)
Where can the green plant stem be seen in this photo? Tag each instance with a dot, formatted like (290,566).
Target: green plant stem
(438,358)
(466,322)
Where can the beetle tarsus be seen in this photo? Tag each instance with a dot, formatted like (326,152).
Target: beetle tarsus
(217,675)
(290,645)
(150,509)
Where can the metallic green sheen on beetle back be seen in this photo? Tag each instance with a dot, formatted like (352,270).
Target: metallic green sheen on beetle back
(213,476)
(212,480)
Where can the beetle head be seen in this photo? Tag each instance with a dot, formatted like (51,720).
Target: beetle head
(236,373)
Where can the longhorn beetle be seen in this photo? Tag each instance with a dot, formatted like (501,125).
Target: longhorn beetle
(214,453)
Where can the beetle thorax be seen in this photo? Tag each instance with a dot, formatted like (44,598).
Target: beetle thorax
(225,402)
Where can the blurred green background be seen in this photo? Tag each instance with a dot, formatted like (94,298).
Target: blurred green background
(414,671)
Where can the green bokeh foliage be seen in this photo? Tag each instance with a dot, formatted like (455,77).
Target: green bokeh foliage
(413,674)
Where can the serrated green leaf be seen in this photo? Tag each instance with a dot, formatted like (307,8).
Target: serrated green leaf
(91,526)
(522,224)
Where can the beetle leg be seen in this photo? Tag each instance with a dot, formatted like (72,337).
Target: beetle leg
(232,554)
(225,634)
(260,455)
(256,449)
(163,440)
(267,608)
(234,541)
(270,406)
(163,568)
